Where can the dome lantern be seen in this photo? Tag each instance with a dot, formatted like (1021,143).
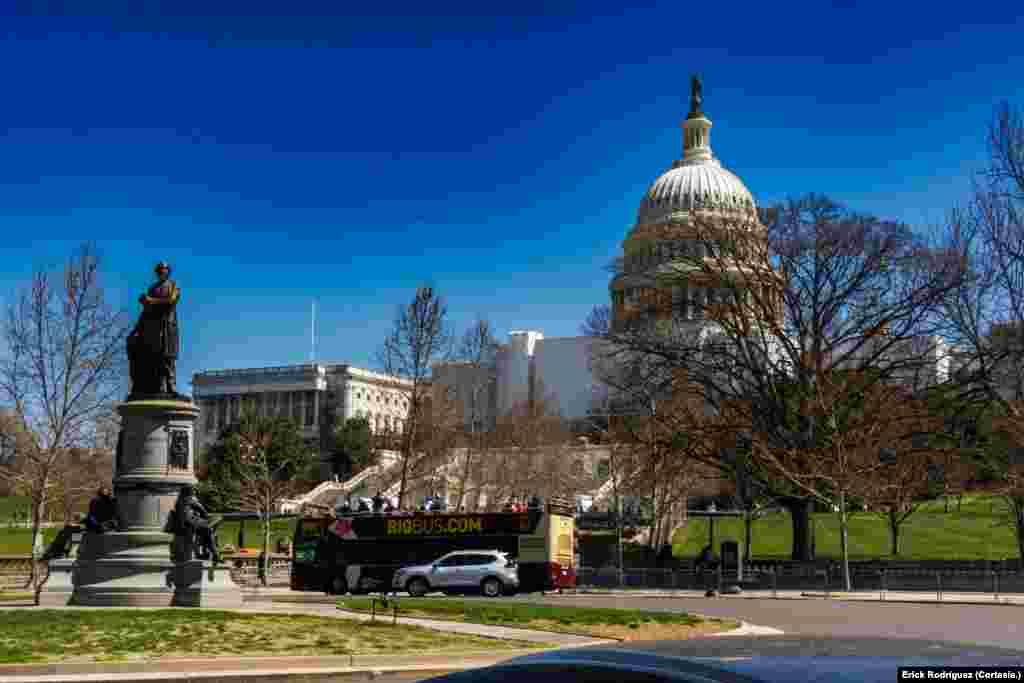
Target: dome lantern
(696,128)
(698,180)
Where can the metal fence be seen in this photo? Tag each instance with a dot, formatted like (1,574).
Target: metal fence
(826,579)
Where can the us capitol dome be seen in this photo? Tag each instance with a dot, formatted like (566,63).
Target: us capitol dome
(687,216)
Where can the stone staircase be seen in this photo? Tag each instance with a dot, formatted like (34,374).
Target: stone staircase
(328,492)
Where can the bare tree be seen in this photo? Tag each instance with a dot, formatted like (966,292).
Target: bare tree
(78,477)
(757,310)
(478,354)
(986,312)
(1009,456)
(435,465)
(64,368)
(264,455)
(532,454)
(420,338)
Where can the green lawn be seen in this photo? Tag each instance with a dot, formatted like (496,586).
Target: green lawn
(227,533)
(975,532)
(624,624)
(9,505)
(18,540)
(113,635)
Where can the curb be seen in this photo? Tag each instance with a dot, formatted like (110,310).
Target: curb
(1017,600)
(1002,602)
(355,667)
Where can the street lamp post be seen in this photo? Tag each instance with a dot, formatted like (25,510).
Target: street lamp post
(711,526)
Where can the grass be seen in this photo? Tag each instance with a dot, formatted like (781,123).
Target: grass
(975,532)
(590,621)
(18,540)
(42,636)
(227,533)
(9,505)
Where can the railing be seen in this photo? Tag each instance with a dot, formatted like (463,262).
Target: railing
(990,577)
(277,370)
(245,570)
(294,504)
(15,571)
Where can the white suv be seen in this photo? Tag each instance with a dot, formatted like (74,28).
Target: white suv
(491,572)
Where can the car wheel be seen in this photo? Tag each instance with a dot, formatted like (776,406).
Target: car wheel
(339,586)
(417,587)
(491,587)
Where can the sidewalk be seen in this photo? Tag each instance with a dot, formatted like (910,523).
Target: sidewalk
(876,596)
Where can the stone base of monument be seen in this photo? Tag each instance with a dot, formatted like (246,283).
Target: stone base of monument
(133,567)
(128,569)
(198,583)
(59,586)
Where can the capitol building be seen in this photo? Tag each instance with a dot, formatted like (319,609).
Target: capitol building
(658,283)
(672,276)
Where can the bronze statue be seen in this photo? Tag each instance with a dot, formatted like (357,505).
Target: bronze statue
(64,544)
(696,97)
(195,532)
(153,343)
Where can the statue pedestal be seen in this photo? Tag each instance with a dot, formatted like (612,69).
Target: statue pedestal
(197,583)
(59,586)
(124,568)
(133,566)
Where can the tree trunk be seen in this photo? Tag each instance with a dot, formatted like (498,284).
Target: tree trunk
(803,531)
(1016,504)
(748,523)
(1020,531)
(38,510)
(894,533)
(844,538)
(265,557)
(401,485)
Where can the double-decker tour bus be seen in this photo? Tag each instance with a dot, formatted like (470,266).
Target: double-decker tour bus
(359,552)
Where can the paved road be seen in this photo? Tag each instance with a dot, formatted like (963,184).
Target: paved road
(1001,625)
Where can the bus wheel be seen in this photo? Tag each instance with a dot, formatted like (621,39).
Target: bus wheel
(339,586)
(417,587)
(491,587)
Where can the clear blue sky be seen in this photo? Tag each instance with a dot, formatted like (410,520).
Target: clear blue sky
(277,159)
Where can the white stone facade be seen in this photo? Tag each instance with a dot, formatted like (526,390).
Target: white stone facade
(316,396)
